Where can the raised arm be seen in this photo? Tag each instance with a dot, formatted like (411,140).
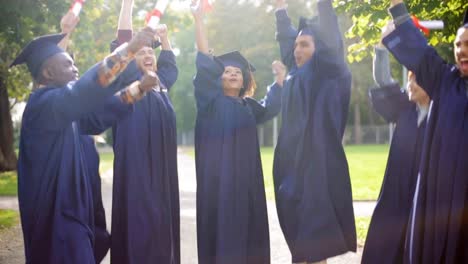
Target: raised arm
(285,34)
(67,25)
(381,66)
(411,49)
(270,105)
(167,68)
(125,26)
(117,106)
(200,31)
(329,30)
(125,16)
(62,105)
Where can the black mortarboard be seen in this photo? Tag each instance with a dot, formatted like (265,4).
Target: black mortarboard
(307,26)
(235,59)
(38,51)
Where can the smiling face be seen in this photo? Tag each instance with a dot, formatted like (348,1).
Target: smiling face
(233,80)
(461,51)
(145,59)
(59,70)
(304,49)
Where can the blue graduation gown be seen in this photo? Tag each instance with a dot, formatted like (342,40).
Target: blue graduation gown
(312,185)
(439,224)
(386,236)
(102,236)
(95,124)
(145,205)
(54,186)
(232,219)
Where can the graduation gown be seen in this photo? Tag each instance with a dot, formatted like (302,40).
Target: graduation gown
(95,124)
(55,189)
(145,205)
(439,224)
(385,240)
(232,219)
(312,185)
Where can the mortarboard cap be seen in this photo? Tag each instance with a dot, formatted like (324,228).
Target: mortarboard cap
(38,51)
(307,26)
(235,59)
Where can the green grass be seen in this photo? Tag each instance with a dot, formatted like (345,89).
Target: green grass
(8,183)
(366,166)
(106,162)
(362,226)
(8,218)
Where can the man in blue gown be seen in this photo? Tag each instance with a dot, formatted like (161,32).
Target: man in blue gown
(145,205)
(439,221)
(54,186)
(385,239)
(312,185)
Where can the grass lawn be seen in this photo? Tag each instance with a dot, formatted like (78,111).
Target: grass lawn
(366,165)
(362,225)
(8,184)
(106,161)
(8,218)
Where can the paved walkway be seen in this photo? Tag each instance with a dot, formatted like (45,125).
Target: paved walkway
(187,183)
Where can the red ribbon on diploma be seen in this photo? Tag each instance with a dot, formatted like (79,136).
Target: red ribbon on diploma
(421,27)
(75,3)
(154,12)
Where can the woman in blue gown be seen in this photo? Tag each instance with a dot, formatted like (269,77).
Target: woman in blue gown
(232,220)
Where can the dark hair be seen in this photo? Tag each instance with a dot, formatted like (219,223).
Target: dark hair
(249,85)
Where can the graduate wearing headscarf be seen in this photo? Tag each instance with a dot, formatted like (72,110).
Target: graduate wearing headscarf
(232,219)
(439,222)
(312,185)
(54,186)
(145,205)
(385,239)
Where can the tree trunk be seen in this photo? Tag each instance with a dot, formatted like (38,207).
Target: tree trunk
(7,153)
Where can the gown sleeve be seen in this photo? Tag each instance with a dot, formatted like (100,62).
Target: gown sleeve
(167,68)
(329,46)
(286,36)
(207,81)
(58,107)
(389,101)
(104,117)
(411,49)
(268,107)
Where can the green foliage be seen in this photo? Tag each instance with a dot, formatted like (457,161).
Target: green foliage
(21,21)
(8,184)
(366,167)
(8,218)
(369,17)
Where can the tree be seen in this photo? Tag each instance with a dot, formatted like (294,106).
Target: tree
(20,21)
(369,17)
